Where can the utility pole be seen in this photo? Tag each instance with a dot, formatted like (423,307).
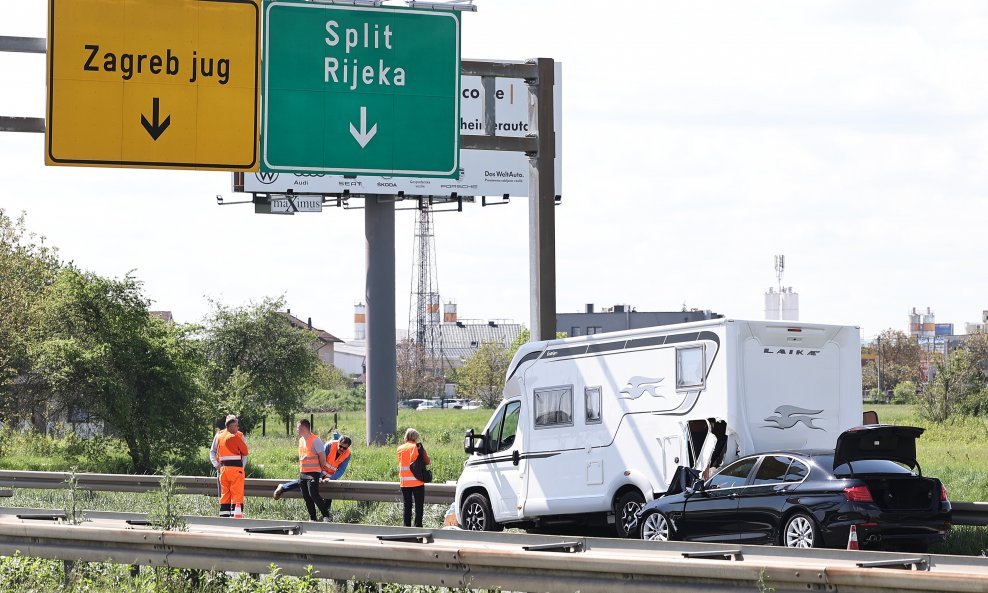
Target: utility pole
(879,364)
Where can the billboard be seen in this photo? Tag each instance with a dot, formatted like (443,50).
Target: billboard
(482,172)
(945,329)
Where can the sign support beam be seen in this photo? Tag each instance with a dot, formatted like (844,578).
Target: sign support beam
(381,373)
(542,201)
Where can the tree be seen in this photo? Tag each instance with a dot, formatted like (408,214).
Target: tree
(899,359)
(101,350)
(955,382)
(258,362)
(977,345)
(416,369)
(482,375)
(27,268)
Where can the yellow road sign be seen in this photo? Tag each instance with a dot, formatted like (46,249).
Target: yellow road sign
(153,83)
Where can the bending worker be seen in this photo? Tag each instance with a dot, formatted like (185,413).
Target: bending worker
(231,452)
(311,465)
(337,455)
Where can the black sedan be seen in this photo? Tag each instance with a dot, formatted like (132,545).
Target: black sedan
(803,499)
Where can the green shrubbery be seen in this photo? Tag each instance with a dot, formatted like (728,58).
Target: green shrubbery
(23,574)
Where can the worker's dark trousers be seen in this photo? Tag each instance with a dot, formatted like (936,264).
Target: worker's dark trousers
(310,492)
(418,494)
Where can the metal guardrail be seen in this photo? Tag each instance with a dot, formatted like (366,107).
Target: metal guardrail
(969,513)
(463,559)
(964,513)
(206,485)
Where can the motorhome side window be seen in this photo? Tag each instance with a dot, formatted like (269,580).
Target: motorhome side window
(505,427)
(689,367)
(591,396)
(554,407)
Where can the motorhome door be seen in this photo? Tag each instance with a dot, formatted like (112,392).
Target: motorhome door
(505,461)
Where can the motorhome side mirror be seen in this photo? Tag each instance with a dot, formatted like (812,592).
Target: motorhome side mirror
(515,457)
(468,446)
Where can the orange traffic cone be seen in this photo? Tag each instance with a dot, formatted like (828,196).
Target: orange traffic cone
(852,538)
(238,513)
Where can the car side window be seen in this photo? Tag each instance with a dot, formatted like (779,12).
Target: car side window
(772,470)
(797,471)
(734,475)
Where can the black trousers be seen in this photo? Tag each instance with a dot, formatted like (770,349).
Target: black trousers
(310,492)
(418,494)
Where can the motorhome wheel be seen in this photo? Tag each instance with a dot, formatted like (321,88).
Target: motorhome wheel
(476,514)
(625,513)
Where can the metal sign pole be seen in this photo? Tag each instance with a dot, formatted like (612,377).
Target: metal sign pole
(542,217)
(382,375)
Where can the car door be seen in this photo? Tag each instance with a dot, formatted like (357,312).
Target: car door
(710,513)
(507,466)
(761,504)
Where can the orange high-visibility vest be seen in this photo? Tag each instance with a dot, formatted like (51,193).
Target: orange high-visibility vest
(334,458)
(308,460)
(407,453)
(231,448)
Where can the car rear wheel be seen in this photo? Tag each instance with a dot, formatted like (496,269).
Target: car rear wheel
(800,532)
(626,513)
(476,514)
(655,527)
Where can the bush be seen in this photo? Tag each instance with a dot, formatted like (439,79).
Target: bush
(904,393)
(344,399)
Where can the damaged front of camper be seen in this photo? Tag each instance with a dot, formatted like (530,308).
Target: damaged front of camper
(592,427)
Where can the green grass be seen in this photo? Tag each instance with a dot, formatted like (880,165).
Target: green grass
(276,455)
(955,451)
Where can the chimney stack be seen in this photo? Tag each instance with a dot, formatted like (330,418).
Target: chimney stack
(360,321)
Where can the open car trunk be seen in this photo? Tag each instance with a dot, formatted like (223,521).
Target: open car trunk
(896,493)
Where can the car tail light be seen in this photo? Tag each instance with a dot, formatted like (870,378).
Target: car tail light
(943,493)
(858,494)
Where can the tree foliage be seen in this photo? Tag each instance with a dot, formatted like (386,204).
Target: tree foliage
(953,388)
(482,375)
(899,357)
(101,350)
(27,268)
(258,362)
(419,373)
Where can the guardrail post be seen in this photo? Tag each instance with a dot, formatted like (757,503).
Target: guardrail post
(67,566)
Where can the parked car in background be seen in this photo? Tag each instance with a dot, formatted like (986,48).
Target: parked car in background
(803,499)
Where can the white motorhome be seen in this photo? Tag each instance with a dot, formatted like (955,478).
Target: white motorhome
(591,427)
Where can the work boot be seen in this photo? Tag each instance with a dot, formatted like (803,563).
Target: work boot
(278,492)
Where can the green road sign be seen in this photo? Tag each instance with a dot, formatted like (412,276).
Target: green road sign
(360,90)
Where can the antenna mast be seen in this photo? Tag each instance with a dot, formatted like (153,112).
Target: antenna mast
(424,319)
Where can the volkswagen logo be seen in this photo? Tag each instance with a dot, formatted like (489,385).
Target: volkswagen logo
(266,178)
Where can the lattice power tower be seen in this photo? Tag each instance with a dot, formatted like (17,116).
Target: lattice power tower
(424,316)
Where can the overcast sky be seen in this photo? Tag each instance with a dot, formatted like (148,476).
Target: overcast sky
(699,140)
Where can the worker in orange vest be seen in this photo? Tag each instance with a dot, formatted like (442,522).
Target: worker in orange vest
(311,464)
(412,488)
(231,452)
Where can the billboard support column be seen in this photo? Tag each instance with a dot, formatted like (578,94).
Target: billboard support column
(542,217)
(382,376)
